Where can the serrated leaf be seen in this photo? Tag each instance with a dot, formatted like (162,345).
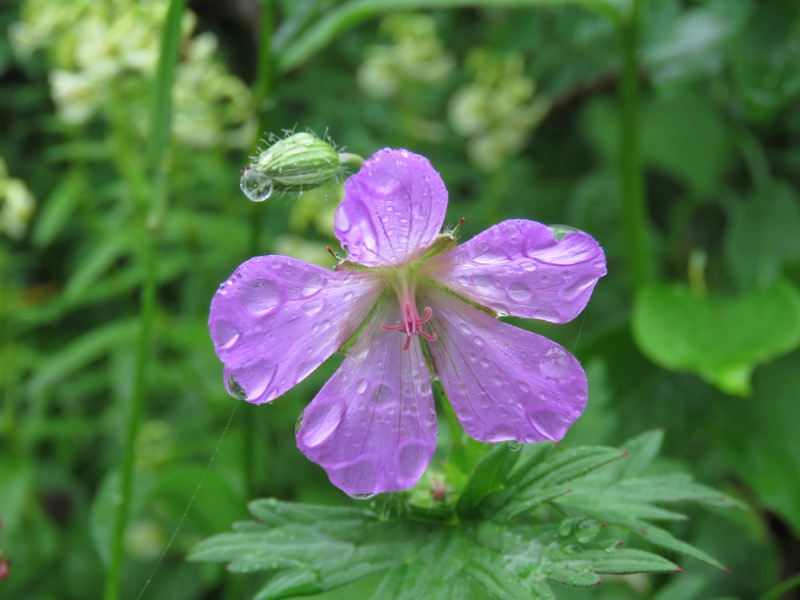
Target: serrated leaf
(435,571)
(720,339)
(307,549)
(567,465)
(549,479)
(493,575)
(627,560)
(311,548)
(631,503)
(488,476)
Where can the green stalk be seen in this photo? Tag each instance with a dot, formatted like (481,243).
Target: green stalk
(262,89)
(156,208)
(631,173)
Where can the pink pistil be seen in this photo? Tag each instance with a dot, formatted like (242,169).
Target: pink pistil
(412,323)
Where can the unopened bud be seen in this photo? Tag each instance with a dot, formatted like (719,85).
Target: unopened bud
(299,162)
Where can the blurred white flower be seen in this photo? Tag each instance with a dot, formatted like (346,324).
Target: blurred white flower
(16,205)
(100,51)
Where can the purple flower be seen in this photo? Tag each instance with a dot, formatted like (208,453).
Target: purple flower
(408,306)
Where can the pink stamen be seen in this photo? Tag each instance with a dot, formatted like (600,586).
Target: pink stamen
(412,324)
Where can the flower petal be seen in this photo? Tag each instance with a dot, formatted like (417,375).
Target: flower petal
(504,383)
(277,319)
(518,268)
(393,209)
(372,427)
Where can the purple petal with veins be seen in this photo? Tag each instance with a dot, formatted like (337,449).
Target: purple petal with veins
(517,268)
(277,319)
(392,210)
(372,427)
(504,383)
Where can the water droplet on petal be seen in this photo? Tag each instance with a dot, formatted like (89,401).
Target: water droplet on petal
(514,446)
(362,496)
(361,387)
(412,460)
(261,296)
(255,185)
(320,423)
(519,292)
(556,364)
(382,393)
(501,433)
(259,376)
(312,284)
(224,333)
(490,255)
(312,307)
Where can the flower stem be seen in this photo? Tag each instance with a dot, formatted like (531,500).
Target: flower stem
(631,174)
(262,90)
(160,131)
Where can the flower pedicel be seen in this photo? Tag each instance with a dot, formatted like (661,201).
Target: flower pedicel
(407,305)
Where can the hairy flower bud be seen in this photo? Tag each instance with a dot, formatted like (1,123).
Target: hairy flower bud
(300,161)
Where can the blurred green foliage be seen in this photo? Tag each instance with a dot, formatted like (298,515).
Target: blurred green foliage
(517,106)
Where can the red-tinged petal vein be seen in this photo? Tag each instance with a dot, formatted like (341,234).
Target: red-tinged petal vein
(277,319)
(392,210)
(517,268)
(504,383)
(372,427)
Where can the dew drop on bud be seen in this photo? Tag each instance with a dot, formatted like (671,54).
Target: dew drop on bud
(256,186)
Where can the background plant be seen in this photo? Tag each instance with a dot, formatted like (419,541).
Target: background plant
(667,132)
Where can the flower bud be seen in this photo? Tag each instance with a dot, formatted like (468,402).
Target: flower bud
(300,161)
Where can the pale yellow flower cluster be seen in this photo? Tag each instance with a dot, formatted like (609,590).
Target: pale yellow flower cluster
(415,55)
(16,204)
(103,58)
(498,110)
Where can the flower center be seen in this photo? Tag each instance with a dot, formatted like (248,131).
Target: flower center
(412,323)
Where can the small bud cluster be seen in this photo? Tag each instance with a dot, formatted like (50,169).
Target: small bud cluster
(498,110)
(92,52)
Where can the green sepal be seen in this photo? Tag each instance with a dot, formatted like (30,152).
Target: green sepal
(443,243)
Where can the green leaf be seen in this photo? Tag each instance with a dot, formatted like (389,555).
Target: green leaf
(309,549)
(548,479)
(488,476)
(104,506)
(626,497)
(763,447)
(693,45)
(764,234)
(98,261)
(764,62)
(337,21)
(306,549)
(435,571)
(682,136)
(720,339)
(94,344)
(60,205)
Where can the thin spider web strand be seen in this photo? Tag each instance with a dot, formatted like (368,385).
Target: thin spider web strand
(189,506)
